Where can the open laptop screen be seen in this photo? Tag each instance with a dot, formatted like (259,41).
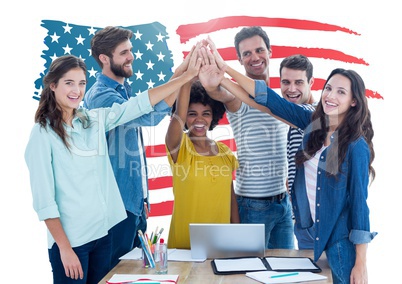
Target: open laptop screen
(227,240)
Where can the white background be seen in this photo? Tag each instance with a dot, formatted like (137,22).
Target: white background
(23,247)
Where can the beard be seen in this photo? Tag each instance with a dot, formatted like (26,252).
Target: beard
(119,71)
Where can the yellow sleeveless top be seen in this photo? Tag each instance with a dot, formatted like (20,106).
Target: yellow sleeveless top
(201,189)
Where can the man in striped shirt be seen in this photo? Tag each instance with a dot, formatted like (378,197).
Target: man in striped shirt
(296,79)
(261,147)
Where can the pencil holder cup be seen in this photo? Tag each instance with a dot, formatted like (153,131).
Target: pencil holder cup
(145,260)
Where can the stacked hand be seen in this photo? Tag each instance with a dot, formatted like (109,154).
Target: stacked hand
(205,63)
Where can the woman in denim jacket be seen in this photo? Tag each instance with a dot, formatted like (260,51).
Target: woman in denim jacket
(334,164)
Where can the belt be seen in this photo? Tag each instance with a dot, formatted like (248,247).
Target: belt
(278,197)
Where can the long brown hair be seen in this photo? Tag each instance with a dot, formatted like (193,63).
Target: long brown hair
(49,112)
(357,123)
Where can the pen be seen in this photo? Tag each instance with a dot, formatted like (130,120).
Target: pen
(159,235)
(284,275)
(154,236)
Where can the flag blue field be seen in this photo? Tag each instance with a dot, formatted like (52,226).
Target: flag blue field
(153,61)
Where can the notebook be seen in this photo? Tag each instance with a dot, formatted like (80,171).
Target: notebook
(227,240)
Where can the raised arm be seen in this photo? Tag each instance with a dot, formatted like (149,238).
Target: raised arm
(161,92)
(240,93)
(210,76)
(245,82)
(211,57)
(174,133)
(178,72)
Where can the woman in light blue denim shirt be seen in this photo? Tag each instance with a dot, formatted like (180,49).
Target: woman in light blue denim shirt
(331,200)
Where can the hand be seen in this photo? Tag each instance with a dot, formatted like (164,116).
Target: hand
(218,58)
(194,63)
(146,210)
(210,75)
(359,275)
(184,65)
(71,263)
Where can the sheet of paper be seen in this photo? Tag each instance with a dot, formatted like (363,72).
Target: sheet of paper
(143,278)
(135,253)
(264,277)
(291,263)
(239,264)
(183,255)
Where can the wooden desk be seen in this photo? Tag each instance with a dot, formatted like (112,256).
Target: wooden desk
(201,272)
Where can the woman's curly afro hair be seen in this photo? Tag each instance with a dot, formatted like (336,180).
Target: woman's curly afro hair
(199,95)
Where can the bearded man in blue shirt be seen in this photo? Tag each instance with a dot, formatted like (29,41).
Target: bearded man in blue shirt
(112,49)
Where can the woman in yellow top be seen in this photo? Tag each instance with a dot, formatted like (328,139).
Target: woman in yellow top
(202,168)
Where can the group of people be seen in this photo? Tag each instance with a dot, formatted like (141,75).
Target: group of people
(302,167)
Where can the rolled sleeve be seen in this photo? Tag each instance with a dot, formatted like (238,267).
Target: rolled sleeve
(361,237)
(48,212)
(260,88)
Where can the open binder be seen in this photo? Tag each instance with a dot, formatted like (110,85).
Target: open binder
(239,265)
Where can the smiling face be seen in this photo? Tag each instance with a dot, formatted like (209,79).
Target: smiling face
(337,97)
(119,66)
(69,91)
(255,57)
(199,118)
(295,86)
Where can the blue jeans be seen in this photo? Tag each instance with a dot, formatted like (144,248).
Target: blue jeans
(277,217)
(125,235)
(94,257)
(341,259)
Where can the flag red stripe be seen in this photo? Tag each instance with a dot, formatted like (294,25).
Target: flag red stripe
(160,182)
(189,31)
(161,209)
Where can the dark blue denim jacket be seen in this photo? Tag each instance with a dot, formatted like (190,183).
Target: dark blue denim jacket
(341,201)
(123,140)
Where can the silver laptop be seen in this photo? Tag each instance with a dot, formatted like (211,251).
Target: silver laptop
(227,240)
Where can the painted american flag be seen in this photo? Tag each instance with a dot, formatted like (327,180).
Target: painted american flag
(153,65)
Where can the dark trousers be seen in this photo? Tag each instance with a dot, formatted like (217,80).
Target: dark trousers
(125,235)
(94,257)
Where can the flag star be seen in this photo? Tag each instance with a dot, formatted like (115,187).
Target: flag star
(160,37)
(92,72)
(150,65)
(92,31)
(160,56)
(55,37)
(89,51)
(137,35)
(53,57)
(139,75)
(138,55)
(129,82)
(150,84)
(80,40)
(67,29)
(67,49)
(161,76)
(83,59)
(149,45)
(139,92)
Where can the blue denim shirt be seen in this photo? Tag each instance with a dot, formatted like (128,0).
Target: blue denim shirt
(123,141)
(341,201)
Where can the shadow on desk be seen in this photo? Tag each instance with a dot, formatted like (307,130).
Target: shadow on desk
(201,272)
